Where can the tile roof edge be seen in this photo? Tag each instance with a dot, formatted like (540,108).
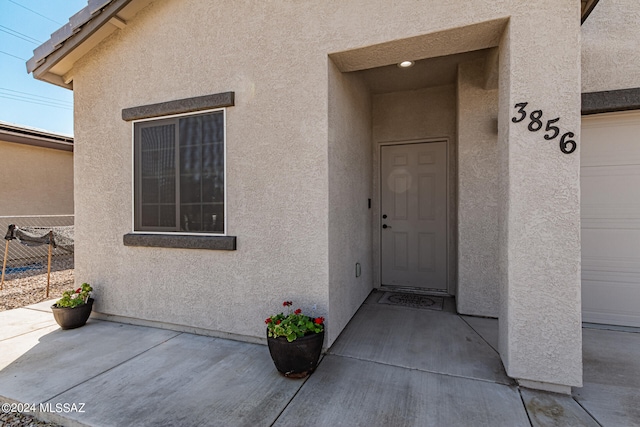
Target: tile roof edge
(68,31)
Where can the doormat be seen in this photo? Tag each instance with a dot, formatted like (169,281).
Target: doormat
(412,300)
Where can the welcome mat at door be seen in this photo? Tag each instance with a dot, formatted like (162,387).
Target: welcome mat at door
(412,300)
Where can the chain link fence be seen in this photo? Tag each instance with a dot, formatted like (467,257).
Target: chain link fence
(25,261)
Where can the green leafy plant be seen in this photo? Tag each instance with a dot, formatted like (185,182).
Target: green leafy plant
(75,298)
(293,325)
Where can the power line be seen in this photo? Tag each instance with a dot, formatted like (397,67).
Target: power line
(36,96)
(17,57)
(20,37)
(32,98)
(22,34)
(35,102)
(36,99)
(33,11)
(42,101)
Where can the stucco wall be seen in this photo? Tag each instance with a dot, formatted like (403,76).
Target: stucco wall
(423,114)
(275,57)
(350,187)
(35,180)
(539,200)
(610,40)
(478,180)
(276,171)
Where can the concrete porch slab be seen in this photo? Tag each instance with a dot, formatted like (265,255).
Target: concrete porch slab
(485,327)
(350,392)
(432,341)
(554,410)
(42,305)
(611,380)
(39,365)
(21,321)
(134,375)
(189,380)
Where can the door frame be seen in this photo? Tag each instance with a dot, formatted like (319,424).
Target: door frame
(377,222)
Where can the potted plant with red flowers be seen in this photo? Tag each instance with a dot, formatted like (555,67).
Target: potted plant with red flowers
(73,309)
(295,342)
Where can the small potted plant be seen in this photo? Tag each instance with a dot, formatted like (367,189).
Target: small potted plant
(295,342)
(73,309)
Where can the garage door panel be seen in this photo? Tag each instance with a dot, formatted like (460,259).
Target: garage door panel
(611,244)
(605,217)
(622,271)
(610,211)
(607,185)
(600,132)
(625,313)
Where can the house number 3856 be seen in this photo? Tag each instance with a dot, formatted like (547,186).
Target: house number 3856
(567,145)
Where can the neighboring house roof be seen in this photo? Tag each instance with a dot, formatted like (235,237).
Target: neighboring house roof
(10,132)
(52,61)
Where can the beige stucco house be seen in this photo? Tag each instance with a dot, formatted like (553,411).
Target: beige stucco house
(231,155)
(36,175)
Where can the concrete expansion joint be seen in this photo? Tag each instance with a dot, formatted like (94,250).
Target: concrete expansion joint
(587,411)
(555,410)
(422,370)
(26,333)
(524,404)
(30,331)
(304,382)
(479,334)
(36,309)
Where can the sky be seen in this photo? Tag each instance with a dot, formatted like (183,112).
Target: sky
(25,25)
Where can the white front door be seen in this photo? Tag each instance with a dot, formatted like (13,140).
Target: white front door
(414,215)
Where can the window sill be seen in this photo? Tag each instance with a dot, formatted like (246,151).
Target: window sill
(220,243)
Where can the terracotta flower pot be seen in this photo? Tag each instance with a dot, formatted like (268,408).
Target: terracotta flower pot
(296,359)
(71,318)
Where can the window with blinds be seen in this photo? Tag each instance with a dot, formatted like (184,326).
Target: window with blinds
(179,168)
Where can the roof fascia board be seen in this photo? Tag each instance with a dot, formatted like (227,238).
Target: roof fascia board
(54,79)
(35,141)
(40,69)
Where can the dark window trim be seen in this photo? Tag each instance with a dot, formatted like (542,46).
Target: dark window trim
(221,243)
(610,101)
(180,106)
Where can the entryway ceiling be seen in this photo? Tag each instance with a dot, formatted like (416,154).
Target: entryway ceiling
(430,72)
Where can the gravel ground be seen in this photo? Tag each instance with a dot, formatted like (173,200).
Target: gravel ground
(16,419)
(23,291)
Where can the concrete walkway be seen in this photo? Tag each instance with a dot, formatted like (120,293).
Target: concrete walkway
(392,366)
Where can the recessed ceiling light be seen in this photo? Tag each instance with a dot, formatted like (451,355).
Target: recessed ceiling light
(406,64)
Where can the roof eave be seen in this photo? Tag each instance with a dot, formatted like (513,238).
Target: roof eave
(54,50)
(87,22)
(55,79)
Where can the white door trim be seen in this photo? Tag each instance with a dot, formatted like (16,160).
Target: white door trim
(378,206)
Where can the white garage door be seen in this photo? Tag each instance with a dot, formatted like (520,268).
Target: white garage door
(610,189)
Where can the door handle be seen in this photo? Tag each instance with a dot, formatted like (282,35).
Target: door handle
(386,226)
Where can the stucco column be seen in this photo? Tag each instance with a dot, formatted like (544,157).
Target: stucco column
(539,201)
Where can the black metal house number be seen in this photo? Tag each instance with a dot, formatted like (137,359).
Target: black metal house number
(567,145)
